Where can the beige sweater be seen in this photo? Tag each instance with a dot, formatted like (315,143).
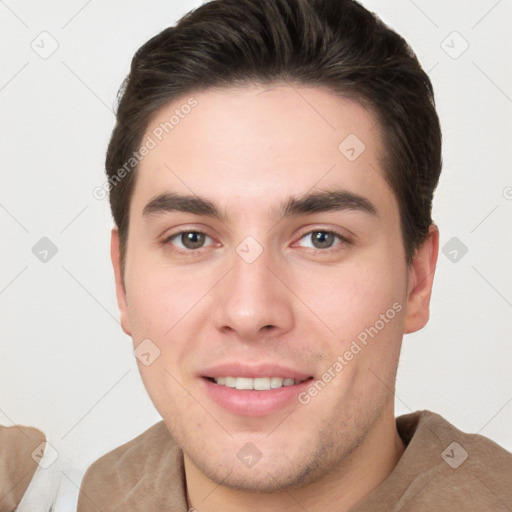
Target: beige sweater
(442,469)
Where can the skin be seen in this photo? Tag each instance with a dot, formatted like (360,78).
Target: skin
(248,149)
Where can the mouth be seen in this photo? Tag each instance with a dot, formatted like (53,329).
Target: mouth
(256,383)
(254,391)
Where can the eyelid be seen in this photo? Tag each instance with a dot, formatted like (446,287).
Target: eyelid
(195,228)
(326,229)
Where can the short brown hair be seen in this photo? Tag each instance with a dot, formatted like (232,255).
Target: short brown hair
(336,44)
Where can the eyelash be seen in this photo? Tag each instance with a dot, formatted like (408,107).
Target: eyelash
(343,241)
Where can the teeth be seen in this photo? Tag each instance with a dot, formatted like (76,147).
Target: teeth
(276,382)
(228,381)
(259,383)
(244,383)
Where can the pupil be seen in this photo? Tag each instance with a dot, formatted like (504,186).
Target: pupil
(323,238)
(192,240)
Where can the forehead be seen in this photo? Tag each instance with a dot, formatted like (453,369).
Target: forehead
(249,148)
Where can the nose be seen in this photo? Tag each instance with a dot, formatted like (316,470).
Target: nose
(253,301)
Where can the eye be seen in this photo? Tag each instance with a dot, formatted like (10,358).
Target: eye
(189,240)
(322,239)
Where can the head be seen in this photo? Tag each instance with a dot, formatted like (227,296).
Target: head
(296,144)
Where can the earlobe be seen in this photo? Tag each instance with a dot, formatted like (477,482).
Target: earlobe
(421,278)
(115,255)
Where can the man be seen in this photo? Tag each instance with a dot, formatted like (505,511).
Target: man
(271,176)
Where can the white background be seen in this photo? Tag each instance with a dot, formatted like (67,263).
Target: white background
(65,365)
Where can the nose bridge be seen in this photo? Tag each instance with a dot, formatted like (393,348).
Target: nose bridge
(251,272)
(252,298)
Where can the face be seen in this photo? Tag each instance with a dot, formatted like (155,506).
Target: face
(298,302)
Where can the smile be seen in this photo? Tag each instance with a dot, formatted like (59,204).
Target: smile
(257,383)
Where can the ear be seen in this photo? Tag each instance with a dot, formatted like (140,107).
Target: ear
(421,278)
(115,255)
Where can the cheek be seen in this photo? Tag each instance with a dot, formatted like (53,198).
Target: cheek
(159,299)
(363,304)
(158,303)
(351,297)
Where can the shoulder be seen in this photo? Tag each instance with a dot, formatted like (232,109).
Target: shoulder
(135,468)
(150,443)
(458,467)
(423,426)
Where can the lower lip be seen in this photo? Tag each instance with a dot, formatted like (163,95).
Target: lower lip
(244,402)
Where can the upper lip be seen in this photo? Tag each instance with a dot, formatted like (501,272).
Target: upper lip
(254,371)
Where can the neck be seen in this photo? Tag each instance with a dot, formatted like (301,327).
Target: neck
(338,490)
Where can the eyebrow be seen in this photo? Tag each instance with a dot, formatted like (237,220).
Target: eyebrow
(308,204)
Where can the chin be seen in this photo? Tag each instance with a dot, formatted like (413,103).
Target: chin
(265,477)
(277,468)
